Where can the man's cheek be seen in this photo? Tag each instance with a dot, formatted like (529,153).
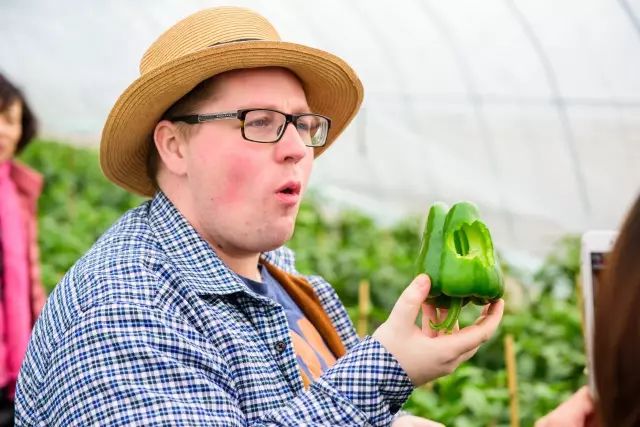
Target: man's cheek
(239,172)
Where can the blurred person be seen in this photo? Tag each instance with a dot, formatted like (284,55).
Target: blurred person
(616,342)
(189,310)
(21,293)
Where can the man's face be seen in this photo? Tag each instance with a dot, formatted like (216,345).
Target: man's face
(10,130)
(244,196)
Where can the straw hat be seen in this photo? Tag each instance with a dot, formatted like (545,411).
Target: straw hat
(200,46)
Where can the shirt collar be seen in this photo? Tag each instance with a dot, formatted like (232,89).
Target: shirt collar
(193,256)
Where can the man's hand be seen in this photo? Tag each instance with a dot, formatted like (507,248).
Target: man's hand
(578,411)
(413,421)
(423,353)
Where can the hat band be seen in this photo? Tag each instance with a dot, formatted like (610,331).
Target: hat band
(236,40)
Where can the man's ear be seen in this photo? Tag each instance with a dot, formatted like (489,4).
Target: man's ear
(171,145)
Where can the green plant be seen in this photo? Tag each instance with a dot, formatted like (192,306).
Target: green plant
(78,204)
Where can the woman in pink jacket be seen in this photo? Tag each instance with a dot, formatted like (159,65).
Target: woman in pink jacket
(21,293)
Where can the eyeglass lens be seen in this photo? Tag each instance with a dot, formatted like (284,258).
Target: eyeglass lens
(268,126)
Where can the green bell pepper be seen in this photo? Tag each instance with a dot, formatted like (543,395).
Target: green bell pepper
(458,255)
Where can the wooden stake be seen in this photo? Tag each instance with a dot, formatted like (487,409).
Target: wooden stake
(364,308)
(512,380)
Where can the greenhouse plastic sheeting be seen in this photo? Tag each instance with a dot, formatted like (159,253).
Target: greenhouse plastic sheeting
(529,108)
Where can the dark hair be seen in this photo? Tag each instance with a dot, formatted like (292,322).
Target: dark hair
(617,329)
(8,95)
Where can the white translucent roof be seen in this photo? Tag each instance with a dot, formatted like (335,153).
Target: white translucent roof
(529,108)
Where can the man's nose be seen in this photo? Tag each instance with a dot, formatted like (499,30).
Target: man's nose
(291,146)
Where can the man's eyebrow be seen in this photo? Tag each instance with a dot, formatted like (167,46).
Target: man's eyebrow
(267,106)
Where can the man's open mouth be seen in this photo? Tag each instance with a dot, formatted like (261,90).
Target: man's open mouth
(290,188)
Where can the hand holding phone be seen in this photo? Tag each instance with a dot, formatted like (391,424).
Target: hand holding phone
(595,245)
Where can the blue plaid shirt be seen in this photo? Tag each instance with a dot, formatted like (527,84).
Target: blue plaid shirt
(151,328)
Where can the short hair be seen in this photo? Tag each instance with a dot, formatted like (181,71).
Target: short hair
(10,94)
(617,328)
(204,91)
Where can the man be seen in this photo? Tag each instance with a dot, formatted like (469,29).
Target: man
(189,311)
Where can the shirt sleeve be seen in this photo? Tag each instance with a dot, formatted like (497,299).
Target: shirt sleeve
(367,382)
(125,365)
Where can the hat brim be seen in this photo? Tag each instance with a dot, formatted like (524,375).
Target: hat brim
(331,86)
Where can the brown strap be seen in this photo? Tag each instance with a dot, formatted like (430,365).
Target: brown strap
(304,296)
(305,379)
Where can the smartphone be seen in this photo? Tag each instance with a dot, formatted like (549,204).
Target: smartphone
(595,247)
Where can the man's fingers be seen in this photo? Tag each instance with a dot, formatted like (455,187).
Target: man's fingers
(442,314)
(406,309)
(485,309)
(429,314)
(413,421)
(483,314)
(456,326)
(469,338)
(468,355)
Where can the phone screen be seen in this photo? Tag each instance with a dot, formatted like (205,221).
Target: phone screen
(597,268)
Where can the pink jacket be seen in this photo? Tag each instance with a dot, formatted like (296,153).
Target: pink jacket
(28,298)
(29,184)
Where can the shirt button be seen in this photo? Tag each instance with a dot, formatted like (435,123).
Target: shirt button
(280,346)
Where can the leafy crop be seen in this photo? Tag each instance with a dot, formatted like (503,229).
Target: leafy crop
(79,204)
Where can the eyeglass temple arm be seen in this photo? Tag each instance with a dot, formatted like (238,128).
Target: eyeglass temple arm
(199,118)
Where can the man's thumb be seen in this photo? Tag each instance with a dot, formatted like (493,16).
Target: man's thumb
(406,309)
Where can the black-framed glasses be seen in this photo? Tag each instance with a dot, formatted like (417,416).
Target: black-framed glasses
(267,126)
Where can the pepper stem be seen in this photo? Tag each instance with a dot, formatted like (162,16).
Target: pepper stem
(452,316)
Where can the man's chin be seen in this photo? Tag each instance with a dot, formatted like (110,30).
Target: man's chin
(276,239)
